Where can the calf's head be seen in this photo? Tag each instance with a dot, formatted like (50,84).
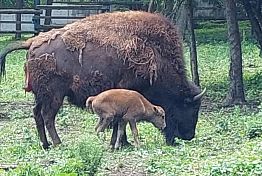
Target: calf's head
(158,117)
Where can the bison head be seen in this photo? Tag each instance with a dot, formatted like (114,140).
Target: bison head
(182,116)
(186,116)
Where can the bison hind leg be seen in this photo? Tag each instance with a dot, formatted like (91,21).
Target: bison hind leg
(49,110)
(40,125)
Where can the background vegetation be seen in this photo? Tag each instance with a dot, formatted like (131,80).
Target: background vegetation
(228,141)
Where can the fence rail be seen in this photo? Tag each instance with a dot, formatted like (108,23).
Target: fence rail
(96,7)
(18,21)
(20,11)
(38,15)
(72,7)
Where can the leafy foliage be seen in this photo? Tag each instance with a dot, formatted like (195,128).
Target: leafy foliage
(12,3)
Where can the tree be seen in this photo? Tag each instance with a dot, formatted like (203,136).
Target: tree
(150,6)
(180,11)
(169,8)
(253,10)
(236,90)
(182,18)
(192,42)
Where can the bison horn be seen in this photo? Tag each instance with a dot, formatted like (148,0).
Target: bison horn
(199,96)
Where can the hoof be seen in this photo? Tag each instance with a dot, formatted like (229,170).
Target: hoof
(46,146)
(125,143)
(171,142)
(116,148)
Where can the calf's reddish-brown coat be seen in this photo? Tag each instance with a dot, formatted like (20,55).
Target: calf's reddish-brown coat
(127,106)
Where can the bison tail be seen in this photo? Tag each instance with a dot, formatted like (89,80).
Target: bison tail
(89,102)
(12,47)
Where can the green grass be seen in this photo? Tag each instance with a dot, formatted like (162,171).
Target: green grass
(228,141)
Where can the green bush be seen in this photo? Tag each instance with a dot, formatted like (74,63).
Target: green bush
(91,156)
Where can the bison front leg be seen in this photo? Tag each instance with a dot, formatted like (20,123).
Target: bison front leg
(40,125)
(124,141)
(120,132)
(170,130)
(49,111)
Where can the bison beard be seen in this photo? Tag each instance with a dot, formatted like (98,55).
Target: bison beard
(131,50)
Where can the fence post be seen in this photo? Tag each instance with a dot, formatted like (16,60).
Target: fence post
(19,5)
(36,17)
(48,13)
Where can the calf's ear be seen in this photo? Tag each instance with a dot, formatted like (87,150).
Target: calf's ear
(156,110)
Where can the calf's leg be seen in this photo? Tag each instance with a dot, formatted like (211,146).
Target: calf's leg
(134,130)
(99,123)
(105,122)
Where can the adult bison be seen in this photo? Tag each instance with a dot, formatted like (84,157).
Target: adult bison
(132,50)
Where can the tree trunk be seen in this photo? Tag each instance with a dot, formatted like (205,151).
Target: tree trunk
(181,19)
(168,9)
(150,6)
(255,17)
(258,11)
(192,41)
(236,90)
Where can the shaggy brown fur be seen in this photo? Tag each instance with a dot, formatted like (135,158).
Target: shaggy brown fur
(129,107)
(140,39)
(131,50)
(134,35)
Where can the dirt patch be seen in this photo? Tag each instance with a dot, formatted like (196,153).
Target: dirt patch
(208,105)
(15,109)
(126,165)
(16,104)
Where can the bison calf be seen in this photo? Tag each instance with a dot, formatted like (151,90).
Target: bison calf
(124,106)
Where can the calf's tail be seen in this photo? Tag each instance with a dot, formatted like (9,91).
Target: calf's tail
(89,102)
(12,47)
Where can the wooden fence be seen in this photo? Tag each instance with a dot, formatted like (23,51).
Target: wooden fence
(18,20)
(96,7)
